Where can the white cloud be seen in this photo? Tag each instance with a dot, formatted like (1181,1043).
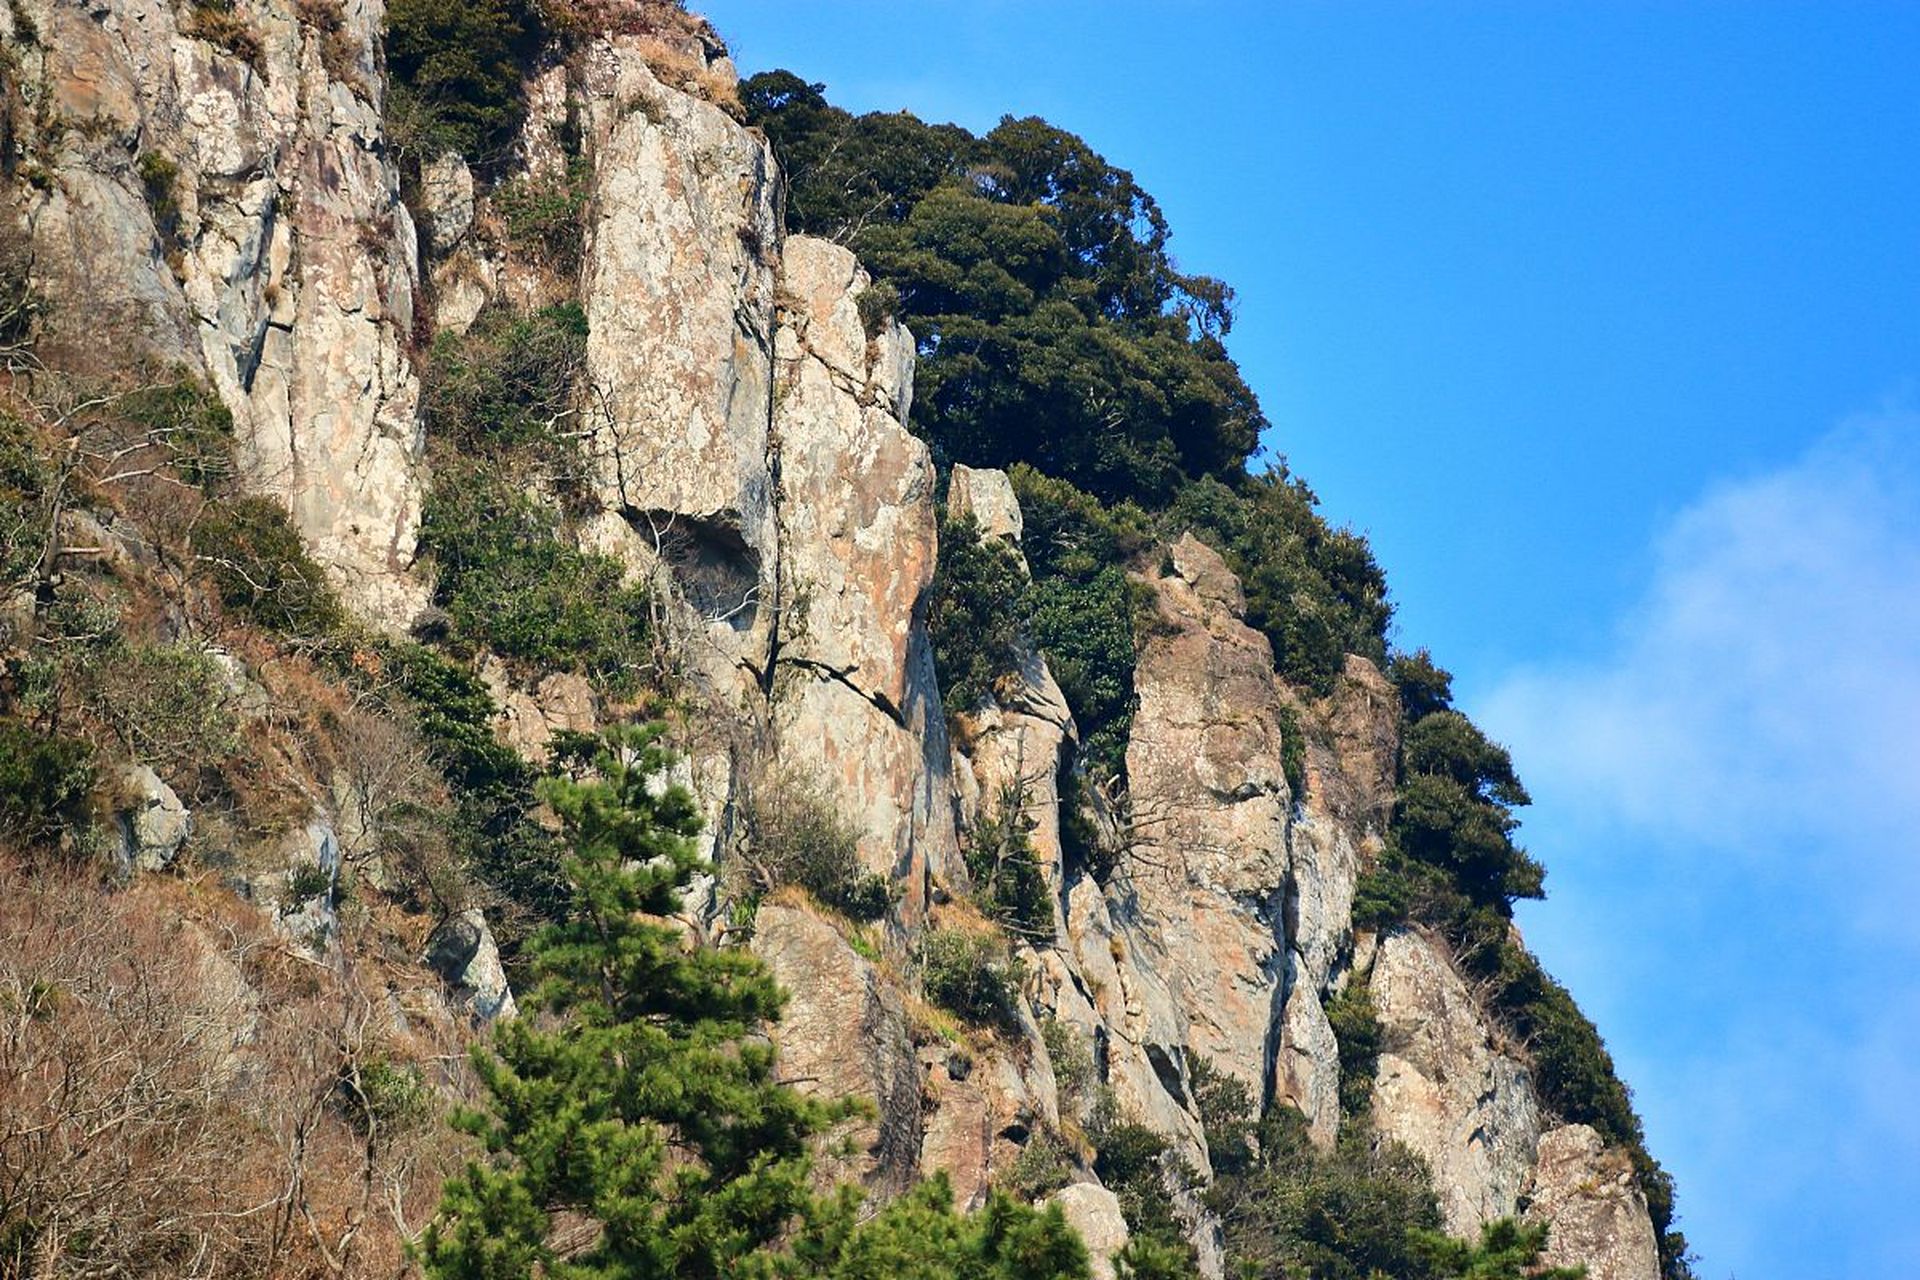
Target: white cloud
(1766,690)
(1735,784)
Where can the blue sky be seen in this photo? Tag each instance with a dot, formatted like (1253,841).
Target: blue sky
(1603,321)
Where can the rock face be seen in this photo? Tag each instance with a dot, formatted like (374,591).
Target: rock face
(844,1034)
(754,447)
(1208,857)
(1595,1213)
(239,213)
(462,951)
(152,822)
(1445,1090)
(242,218)
(857,550)
(678,290)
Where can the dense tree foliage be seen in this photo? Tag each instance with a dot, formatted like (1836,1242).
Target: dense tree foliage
(1314,590)
(976,614)
(1363,1210)
(457,70)
(633,1122)
(513,583)
(1081,609)
(1053,325)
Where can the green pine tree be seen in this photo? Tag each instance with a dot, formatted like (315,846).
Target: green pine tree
(1508,1249)
(632,1123)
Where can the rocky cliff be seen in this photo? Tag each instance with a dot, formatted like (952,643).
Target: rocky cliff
(234,206)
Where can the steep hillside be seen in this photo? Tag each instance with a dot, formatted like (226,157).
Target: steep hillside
(394,398)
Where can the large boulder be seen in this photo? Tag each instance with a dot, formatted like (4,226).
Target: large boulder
(1094,1213)
(150,823)
(1596,1216)
(463,952)
(1445,1090)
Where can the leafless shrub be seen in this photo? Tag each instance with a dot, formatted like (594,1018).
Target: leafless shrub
(181,1096)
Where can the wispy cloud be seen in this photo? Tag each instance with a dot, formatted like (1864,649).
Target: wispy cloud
(1767,688)
(1733,788)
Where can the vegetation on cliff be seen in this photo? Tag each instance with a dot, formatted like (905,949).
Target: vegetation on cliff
(1058,339)
(649,1055)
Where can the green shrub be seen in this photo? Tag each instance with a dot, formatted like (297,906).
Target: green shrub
(1086,628)
(458,70)
(43,781)
(21,304)
(381,1096)
(1081,841)
(508,390)
(261,569)
(306,882)
(1045,1164)
(24,502)
(160,181)
(1009,883)
(1357,1031)
(168,703)
(1424,686)
(1225,1106)
(1506,1250)
(970,974)
(494,834)
(1293,752)
(1454,815)
(1074,1072)
(455,714)
(1353,1213)
(877,304)
(797,834)
(546,217)
(512,582)
(1139,1167)
(975,614)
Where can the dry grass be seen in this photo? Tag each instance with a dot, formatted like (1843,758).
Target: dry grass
(181,1095)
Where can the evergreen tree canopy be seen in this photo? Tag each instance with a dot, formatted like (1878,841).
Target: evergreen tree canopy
(632,1122)
(1053,325)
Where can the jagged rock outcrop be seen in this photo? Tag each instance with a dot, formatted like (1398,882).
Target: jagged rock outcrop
(1445,1089)
(1339,824)
(1207,860)
(753,443)
(1595,1213)
(678,288)
(985,1099)
(853,679)
(463,952)
(152,823)
(241,216)
(844,1034)
(749,437)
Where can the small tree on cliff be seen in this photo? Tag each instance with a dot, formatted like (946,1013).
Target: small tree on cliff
(632,1122)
